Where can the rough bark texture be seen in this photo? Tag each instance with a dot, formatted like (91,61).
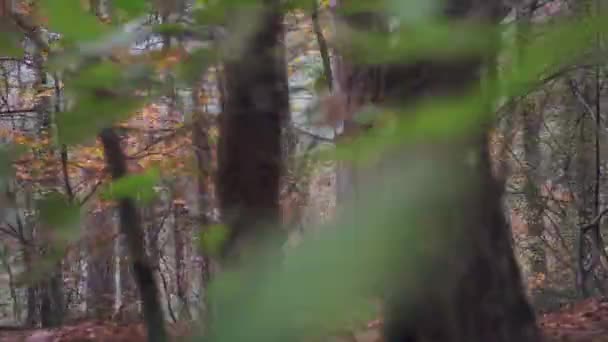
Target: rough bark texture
(204,164)
(531,116)
(182,239)
(481,298)
(100,266)
(130,227)
(250,136)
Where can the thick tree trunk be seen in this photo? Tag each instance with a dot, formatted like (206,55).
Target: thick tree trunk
(475,293)
(250,138)
(481,297)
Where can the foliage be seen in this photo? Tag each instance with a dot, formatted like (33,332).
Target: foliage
(328,280)
(139,186)
(213,238)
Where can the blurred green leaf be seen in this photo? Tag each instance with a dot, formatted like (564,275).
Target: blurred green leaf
(213,239)
(410,11)
(10,45)
(434,40)
(102,75)
(128,9)
(69,18)
(189,71)
(91,114)
(9,153)
(332,280)
(216,12)
(104,95)
(139,187)
(446,119)
(62,218)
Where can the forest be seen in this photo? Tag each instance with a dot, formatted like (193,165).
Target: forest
(303,170)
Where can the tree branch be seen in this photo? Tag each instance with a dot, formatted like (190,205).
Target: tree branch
(312,135)
(596,220)
(66,175)
(18,111)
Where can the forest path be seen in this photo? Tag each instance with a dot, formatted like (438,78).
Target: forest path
(583,321)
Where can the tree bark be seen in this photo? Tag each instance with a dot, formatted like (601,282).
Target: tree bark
(250,139)
(101,270)
(182,241)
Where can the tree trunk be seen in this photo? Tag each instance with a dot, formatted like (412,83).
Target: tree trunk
(50,289)
(52,306)
(205,204)
(182,240)
(473,294)
(31,291)
(101,266)
(250,138)
(130,227)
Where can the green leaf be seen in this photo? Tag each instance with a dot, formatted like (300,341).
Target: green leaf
(190,70)
(411,11)
(128,9)
(139,187)
(62,216)
(332,280)
(91,114)
(102,75)
(9,153)
(10,44)
(104,96)
(69,18)
(213,239)
(431,40)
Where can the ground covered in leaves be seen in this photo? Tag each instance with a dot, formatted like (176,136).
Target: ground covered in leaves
(584,321)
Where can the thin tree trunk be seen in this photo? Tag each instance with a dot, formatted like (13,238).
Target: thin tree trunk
(101,266)
(5,259)
(130,227)
(51,289)
(205,203)
(31,300)
(182,242)
(323,49)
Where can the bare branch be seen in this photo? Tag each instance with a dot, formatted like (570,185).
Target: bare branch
(596,220)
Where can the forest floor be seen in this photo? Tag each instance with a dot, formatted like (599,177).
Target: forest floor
(584,321)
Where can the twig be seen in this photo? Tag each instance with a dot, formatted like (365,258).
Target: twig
(596,220)
(18,111)
(312,135)
(90,194)
(66,175)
